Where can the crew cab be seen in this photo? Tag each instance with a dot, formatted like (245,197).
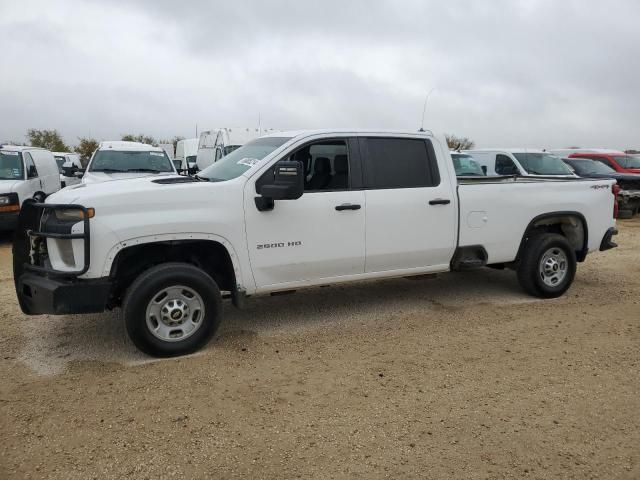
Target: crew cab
(521,162)
(117,160)
(294,210)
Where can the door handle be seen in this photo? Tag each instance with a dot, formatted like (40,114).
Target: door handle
(439,201)
(348,206)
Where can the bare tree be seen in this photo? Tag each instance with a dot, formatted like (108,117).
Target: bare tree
(459,143)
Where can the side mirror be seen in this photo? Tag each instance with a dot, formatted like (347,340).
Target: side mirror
(69,171)
(78,173)
(484,169)
(288,184)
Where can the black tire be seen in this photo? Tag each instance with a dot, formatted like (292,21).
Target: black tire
(148,286)
(529,269)
(39,197)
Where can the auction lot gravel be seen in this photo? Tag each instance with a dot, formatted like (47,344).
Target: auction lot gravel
(459,376)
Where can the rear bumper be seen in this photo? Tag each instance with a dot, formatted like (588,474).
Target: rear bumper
(607,242)
(8,221)
(38,294)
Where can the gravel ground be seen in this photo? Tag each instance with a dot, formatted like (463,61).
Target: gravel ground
(459,376)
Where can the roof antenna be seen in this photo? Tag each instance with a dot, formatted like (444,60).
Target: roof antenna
(424,109)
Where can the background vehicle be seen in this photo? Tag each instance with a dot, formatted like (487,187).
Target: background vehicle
(257,223)
(187,153)
(629,183)
(619,161)
(169,150)
(25,172)
(67,159)
(520,161)
(215,144)
(119,160)
(465,165)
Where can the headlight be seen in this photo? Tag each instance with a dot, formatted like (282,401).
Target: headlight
(71,215)
(4,201)
(9,202)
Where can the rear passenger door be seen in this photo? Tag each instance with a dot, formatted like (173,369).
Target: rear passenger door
(411,215)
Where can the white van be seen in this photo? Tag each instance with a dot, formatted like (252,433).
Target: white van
(25,172)
(215,144)
(186,153)
(525,162)
(117,160)
(65,160)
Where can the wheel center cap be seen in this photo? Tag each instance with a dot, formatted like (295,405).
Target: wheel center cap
(176,315)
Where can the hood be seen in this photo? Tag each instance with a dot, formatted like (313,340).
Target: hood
(8,186)
(99,177)
(142,193)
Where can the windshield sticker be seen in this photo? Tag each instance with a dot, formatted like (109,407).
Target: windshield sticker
(157,154)
(16,172)
(249,162)
(9,153)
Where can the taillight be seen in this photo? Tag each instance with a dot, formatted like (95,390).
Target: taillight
(615,189)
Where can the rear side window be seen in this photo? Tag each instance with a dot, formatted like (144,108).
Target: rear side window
(399,163)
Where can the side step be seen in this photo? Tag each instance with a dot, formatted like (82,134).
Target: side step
(467,258)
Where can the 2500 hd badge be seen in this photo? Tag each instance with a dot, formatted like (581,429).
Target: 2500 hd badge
(261,246)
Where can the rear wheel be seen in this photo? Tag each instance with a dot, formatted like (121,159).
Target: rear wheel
(548,266)
(172,309)
(39,197)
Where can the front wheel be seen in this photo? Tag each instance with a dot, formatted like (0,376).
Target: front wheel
(172,309)
(548,266)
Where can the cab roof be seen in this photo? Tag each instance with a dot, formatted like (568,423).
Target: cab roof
(308,133)
(123,146)
(18,148)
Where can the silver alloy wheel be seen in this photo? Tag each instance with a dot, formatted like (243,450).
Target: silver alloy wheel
(175,313)
(553,267)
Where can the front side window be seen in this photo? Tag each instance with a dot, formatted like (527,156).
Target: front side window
(32,171)
(505,166)
(242,159)
(11,166)
(465,165)
(542,164)
(399,163)
(113,161)
(60,161)
(326,165)
(628,161)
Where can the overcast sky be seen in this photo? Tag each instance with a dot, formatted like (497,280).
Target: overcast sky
(536,73)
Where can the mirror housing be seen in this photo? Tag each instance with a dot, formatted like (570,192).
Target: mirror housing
(288,184)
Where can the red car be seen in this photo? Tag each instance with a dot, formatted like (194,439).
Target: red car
(619,161)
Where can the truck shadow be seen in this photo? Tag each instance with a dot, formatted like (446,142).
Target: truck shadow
(51,343)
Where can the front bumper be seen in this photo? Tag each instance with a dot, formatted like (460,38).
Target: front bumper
(38,294)
(607,242)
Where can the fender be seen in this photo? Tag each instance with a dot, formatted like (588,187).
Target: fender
(585,247)
(235,260)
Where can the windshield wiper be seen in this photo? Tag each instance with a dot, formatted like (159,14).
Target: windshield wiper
(200,179)
(145,170)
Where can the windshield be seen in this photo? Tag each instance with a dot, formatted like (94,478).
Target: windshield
(588,167)
(60,161)
(628,161)
(242,159)
(11,166)
(465,165)
(118,161)
(542,164)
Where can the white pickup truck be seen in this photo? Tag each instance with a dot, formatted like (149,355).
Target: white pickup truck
(294,210)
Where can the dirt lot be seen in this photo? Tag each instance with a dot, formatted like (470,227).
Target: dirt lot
(462,376)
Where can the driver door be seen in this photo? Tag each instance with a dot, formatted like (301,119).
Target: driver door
(320,235)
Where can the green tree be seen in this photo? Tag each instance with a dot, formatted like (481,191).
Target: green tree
(86,147)
(49,139)
(459,143)
(139,138)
